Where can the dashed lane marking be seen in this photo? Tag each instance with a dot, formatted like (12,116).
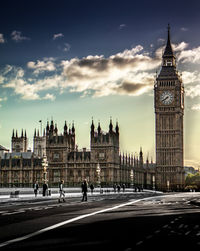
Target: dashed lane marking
(4,213)
(15,212)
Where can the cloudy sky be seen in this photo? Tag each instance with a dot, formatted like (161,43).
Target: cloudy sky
(77,59)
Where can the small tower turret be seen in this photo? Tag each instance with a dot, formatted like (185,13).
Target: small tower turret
(117,128)
(65,128)
(73,128)
(141,158)
(92,129)
(51,127)
(110,126)
(99,128)
(39,143)
(19,144)
(56,129)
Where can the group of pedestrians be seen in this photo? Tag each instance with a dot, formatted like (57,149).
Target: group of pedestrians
(44,189)
(84,187)
(117,188)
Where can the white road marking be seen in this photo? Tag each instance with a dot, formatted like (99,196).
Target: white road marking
(2,212)
(25,237)
(139,243)
(15,212)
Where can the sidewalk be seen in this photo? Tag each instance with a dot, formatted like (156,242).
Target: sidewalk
(26,194)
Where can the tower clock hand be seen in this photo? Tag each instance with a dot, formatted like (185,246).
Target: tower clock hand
(165,98)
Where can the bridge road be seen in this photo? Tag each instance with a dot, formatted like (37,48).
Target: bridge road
(138,221)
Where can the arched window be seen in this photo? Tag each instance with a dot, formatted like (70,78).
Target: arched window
(39,151)
(17,148)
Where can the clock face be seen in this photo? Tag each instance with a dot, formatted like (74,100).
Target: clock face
(166,97)
(56,156)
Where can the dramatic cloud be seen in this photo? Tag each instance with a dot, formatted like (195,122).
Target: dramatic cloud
(196,107)
(29,88)
(193,91)
(2,40)
(190,56)
(17,36)
(130,72)
(30,91)
(49,96)
(41,66)
(56,36)
(67,47)
(180,47)
(2,79)
(122,26)
(190,77)
(7,69)
(161,41)
(107,76)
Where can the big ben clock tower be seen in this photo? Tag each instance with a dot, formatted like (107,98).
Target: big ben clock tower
(169,111)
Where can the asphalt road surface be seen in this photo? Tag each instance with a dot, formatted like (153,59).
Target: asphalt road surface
(137,221)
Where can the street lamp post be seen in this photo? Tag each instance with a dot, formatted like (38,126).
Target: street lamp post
(45,165)
(153,180)
(132,176)
(98,170)
(168,185)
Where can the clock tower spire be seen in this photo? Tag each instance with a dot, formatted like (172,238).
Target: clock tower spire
(169,110)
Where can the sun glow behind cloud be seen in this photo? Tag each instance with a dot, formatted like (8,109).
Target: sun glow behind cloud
(130,72)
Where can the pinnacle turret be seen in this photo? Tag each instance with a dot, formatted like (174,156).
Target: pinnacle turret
(168,49)
(99,128)
(110,126)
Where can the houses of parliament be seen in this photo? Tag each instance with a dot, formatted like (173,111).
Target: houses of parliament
(65,162)
(103,163)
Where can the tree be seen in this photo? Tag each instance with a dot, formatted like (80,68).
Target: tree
(192,181)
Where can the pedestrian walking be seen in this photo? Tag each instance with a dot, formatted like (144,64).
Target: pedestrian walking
(92,188)
(118,188)
(44,189)
(84,187)
(114,187)
(123,187)
(35,188)
(62,192)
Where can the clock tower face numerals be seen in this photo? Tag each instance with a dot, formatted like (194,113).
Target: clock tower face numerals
(166,97)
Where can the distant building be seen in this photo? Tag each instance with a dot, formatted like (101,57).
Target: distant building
(3,150)
(66,162)
(20,169)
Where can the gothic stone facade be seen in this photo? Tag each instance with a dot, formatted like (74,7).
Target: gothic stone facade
(169,110)
(20,169)
(66,162)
